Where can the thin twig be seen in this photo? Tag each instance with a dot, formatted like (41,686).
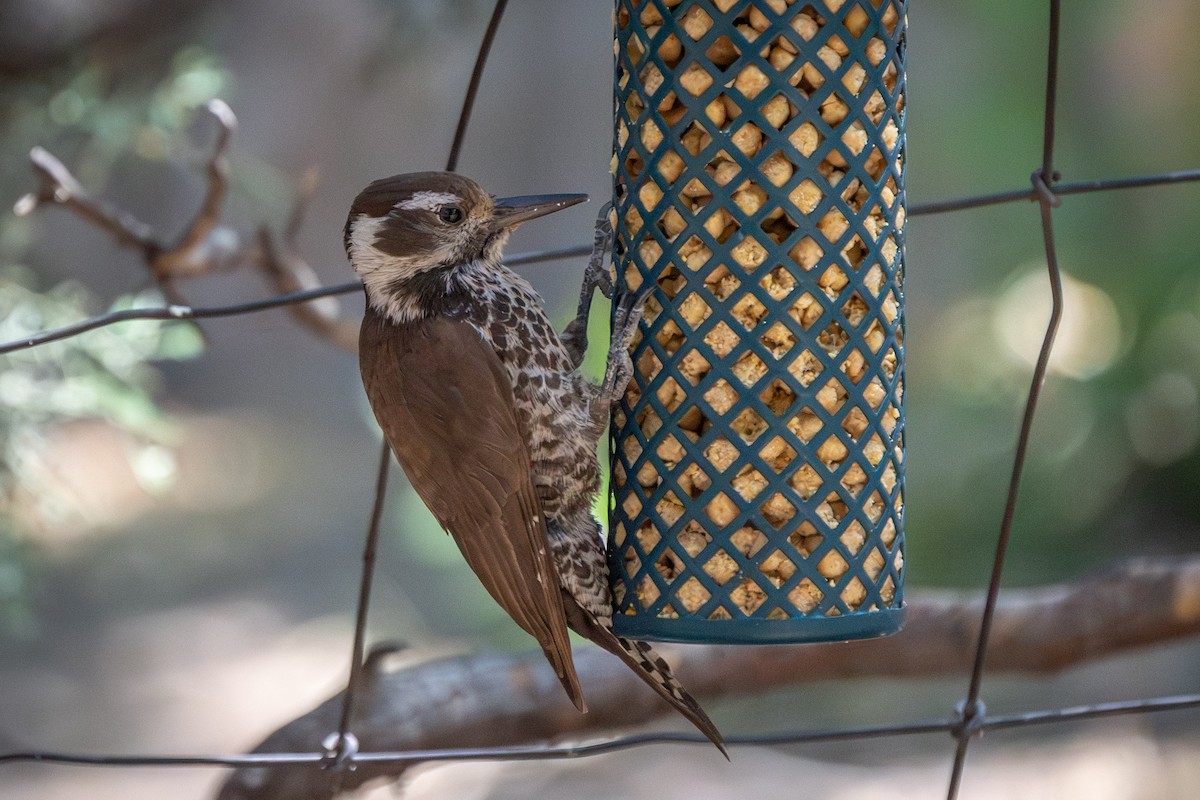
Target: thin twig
(56,185)
(204,246)
(304,196)
(290,273)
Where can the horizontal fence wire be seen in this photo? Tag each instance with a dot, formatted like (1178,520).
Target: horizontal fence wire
(971,717)
(993,722)
(184,312)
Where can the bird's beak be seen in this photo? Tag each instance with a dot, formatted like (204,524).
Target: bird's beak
(509,212)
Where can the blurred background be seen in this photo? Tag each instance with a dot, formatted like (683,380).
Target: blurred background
(181,520)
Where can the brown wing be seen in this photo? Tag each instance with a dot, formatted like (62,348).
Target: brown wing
(445,404)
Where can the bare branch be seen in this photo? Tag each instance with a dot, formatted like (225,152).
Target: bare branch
(496,700)
(206,246)
(57,185)
(288,272)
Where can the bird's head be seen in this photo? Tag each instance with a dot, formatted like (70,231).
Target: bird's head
(410,227)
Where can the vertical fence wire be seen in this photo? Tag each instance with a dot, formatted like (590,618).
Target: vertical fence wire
(971,709)
(343,745)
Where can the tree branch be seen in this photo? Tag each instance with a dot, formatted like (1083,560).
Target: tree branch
(289,272)
(492,699)
(206,246)
(57,185)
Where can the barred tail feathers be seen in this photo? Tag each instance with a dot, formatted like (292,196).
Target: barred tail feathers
(646,664)
(655,671)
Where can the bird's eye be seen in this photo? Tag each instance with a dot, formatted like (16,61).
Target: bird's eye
(450,215)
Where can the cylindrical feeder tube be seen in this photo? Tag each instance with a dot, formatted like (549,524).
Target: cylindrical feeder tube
(757,456)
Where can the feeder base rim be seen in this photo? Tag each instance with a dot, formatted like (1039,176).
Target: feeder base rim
(865,625)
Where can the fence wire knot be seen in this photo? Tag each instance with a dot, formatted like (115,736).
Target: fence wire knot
(339,752)
(1042,188)
(969,719)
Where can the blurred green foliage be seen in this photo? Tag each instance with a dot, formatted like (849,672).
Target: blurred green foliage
(105,374)
(97,111)
(1114,465)
(100,111)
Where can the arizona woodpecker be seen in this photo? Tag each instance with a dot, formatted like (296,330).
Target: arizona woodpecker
(488,412)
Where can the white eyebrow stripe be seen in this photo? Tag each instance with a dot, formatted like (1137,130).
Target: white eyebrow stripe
(426,201)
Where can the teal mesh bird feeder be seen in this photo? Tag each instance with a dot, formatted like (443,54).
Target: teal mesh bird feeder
(758,454)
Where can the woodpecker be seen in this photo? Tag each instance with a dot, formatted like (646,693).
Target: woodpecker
(486,409)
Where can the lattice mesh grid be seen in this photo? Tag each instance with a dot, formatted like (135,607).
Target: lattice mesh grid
(757,456)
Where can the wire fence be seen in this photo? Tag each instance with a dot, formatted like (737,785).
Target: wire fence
(339,752)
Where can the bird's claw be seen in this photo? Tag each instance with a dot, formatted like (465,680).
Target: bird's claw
(596,276)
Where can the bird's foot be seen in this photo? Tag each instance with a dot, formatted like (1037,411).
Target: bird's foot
(595,276)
